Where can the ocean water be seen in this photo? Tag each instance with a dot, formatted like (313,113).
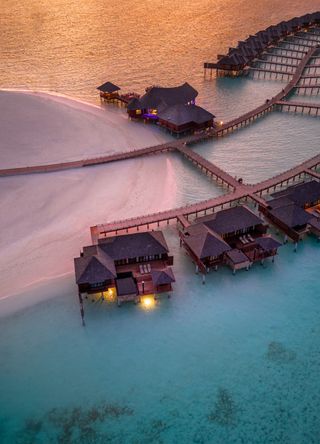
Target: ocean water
(233,361)
(236,360)
(267,147)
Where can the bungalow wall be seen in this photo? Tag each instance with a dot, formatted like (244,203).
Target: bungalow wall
(96,288)
(163,288)
(187,127)
(144,259)
(232,238)
(294,234)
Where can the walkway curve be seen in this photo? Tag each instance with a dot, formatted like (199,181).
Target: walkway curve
(231,125)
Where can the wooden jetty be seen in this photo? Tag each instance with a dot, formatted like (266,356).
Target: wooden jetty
(209,168)
(271,72)
(309,108)
(242,193)
(222,130)
(54,167)
(243,120)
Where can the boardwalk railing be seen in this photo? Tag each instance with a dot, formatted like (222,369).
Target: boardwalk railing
(174,145)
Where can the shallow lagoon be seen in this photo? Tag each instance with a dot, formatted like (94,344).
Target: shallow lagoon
(272,144)
(235,360)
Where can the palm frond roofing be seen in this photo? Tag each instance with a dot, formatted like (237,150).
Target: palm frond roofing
(130,246)
(292,215)
(182,114)
(204,243)
(231,220)
(108,87)
(160,96)
(162,277)
(302,193)
(94,268)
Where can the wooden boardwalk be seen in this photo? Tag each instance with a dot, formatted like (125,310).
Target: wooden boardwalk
(243,120)
(296,106)
(49,168)
(208,167)
(242,192)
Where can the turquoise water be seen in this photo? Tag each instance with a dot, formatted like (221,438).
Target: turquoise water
(234,361)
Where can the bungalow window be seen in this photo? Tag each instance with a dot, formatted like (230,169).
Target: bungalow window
(138,111)
(98,284)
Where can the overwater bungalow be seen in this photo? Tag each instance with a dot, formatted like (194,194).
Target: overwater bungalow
(205,247)
(236,62)
(126,267)
(236,237)
(182,119)
(296,210)
(171,108)
(109,91)
(158,98)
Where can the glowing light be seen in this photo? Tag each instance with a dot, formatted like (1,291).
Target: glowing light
(110,294)
(148,302)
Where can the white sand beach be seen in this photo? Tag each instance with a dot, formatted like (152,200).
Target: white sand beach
(45,219)
(39,128)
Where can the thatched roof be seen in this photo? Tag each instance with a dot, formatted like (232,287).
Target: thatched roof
(126,286)
(156,96)
(108,87)
(130,246)
(231,220)
(95,268)
(203,242)
(267,243)
(301,194)
(162,277)
(134,104)
(292,215)
(237,256)
(182,114)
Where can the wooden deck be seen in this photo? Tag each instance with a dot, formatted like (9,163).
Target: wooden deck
(242,192)
(208,167)
(243,120)
(312,109)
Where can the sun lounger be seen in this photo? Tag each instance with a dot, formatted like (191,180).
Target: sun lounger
(250,238)
(145,268)
(149,268)
(141,269)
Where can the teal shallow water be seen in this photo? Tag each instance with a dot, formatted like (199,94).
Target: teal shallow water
(236,360)
(267,147)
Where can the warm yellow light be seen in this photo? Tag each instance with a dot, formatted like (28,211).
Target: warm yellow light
(110,294)
(148,302)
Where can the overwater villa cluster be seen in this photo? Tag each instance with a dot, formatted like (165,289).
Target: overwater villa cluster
(296,210)
(128,261)
(128,267)
(172,108)
(235,237)
(125,267)
(235,62)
